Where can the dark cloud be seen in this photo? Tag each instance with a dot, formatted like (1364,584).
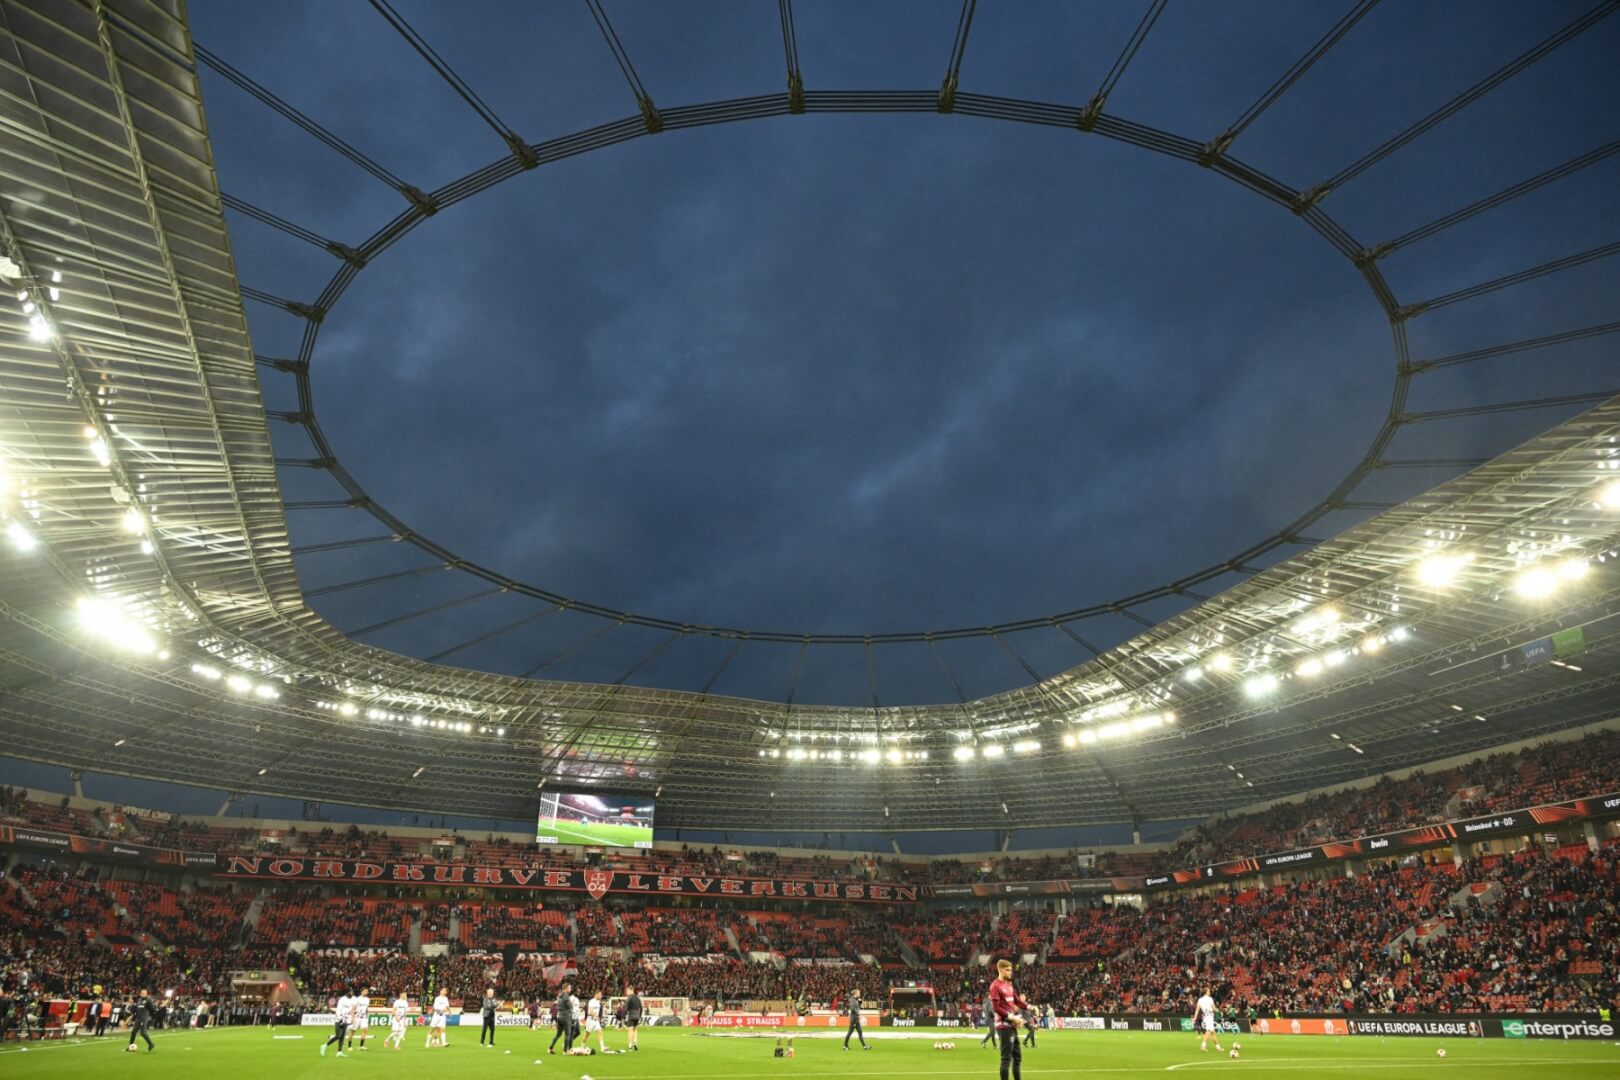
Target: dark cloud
(834,373)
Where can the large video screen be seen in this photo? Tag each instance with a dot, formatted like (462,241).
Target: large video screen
(598,819)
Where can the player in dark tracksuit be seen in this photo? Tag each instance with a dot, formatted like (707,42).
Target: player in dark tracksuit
(562,1014)
(140,1020)
(633,1009)
(854,1006)
(989,1023)
(489,1018)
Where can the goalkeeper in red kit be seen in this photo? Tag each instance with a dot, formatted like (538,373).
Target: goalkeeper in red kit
(1006,1004)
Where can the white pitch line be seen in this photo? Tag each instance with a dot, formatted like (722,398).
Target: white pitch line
(1390,1063)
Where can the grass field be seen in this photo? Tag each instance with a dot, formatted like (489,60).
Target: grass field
(679,1054)
(572,832)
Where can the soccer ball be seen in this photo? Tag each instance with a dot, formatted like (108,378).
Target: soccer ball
(1236,1047)
(1234,1052)
(1441,1051)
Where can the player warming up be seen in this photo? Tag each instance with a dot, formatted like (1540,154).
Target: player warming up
(396,1023)
(1204,1021)
(593,1021)
(438,1021)
(489,1018)
(632,1017)
(360,1022)
(141,1019)
(1005,1005)
(340,1026)
(854,1006)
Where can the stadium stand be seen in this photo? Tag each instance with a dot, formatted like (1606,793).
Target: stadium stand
(1535,929)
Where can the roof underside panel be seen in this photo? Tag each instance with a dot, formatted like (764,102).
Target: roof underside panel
(136,451)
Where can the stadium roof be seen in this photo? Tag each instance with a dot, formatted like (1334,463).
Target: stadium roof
(155,624)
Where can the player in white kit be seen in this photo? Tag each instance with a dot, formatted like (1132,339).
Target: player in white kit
(593,1021)
(1204,1022)
(396,1026)
(361,1023)
(438,1021)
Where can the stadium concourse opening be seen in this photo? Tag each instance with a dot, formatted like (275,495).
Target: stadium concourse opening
(294,770)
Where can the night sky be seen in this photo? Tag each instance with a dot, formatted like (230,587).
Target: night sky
(882,373)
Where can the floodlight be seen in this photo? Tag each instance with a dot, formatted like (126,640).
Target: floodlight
(1609,495)
(1438,571)
(1573,568)
(1068,738)
(238,683)
(962,753)
(20,537)
(133,521)
(1026,746)
(1221,662)
(1535,583)
(1309,667)
(1260,685)
(994,750)
(39,329)
(1087,738)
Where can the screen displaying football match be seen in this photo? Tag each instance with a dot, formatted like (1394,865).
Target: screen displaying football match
(601,819)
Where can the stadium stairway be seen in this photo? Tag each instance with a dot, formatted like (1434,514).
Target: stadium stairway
(455,923)
(731,939)
(250,918)
(415,940)
(907,953)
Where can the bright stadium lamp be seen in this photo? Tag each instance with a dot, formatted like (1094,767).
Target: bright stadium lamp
(993,750)
(1608,496)
(20,537)
(1260,685)
(1536,582)
(1573,569)
(1438,571)
(1309,667)
(963,753)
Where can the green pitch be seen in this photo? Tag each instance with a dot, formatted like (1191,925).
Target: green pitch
(572,832)
(679,1054)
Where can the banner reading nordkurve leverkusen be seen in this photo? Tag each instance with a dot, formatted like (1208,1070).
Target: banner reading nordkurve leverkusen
(595,882)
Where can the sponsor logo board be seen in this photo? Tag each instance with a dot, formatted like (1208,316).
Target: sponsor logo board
(1558,1029)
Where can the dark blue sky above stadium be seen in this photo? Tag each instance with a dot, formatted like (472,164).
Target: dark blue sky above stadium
(867,374)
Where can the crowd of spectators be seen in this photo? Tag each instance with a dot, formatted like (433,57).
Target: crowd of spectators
(1548,772)
(1534,931)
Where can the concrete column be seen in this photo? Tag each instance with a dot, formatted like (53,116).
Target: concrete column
(1593,841)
